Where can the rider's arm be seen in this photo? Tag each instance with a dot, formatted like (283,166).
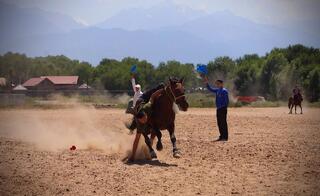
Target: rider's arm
(133,82)
(214,90)
(135,146)
(206,81)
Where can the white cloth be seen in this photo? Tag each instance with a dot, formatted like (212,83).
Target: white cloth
(137,94)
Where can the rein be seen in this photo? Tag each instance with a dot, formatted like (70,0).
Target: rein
(174,98)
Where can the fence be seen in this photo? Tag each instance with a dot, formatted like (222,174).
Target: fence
(12,99)
(46,93)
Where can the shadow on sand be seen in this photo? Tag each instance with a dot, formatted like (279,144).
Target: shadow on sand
(151,162)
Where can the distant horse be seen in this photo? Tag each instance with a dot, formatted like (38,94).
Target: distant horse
(163,114)
(295,101)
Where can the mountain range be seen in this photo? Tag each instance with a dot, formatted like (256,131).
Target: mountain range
(160,33)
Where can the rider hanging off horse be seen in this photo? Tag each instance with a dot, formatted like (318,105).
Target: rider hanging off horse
(153,112)
(295,100)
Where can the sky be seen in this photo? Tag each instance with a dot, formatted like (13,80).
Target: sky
(91,12)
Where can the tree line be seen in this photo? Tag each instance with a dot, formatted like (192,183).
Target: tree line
(272,75)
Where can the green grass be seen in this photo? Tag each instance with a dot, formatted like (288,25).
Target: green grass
(263,104)
(203,100)
(200,100)
(314,104)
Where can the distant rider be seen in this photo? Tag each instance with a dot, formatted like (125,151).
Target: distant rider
(296,93)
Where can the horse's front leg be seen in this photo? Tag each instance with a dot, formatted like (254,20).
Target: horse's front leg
(154,133)
(175,150)
(300,108)
(295,109)
(148,143)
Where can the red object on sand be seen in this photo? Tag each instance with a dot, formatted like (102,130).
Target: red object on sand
(73,147)
(250,99)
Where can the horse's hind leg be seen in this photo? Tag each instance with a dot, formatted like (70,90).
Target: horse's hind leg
(291,107)
(173,139)
(295,109)
(300,108)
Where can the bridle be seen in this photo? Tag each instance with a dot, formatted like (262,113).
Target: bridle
(173,96)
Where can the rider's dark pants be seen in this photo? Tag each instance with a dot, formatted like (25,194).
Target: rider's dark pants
(146,95)
(133,125)
(222,122)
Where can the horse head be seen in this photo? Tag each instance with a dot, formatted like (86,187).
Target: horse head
(176,88)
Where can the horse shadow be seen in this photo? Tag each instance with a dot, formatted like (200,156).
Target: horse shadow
(151,162)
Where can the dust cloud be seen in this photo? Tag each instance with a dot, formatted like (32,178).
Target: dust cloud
(52,130)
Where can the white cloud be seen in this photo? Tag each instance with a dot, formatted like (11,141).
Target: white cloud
(81,21)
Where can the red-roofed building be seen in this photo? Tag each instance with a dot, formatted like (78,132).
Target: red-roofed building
(52,83)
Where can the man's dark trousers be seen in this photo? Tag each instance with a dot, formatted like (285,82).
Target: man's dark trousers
(222,122)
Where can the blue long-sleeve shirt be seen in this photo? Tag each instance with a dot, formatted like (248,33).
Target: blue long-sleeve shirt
(222,98)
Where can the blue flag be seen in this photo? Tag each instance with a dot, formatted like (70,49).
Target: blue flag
(133,69)
(202,69)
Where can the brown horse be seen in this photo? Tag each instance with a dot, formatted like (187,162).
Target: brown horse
(163,114)
(295,101)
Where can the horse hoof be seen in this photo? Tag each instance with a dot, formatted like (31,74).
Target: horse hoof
(159,146)
(176,155)
(153,155)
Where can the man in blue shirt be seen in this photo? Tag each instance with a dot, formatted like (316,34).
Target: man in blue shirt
(222,101)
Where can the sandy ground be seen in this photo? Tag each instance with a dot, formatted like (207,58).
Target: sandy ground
(269,153)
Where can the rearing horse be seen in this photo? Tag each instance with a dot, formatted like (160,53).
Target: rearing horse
(163,114)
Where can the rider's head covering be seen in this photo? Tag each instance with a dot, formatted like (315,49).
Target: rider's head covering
(138,86)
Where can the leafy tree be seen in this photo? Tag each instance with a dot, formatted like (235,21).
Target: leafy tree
(16,68)
(111,73)
(314,85)
(176,69)
(221,67)
(145,74)
(246,81)
(269,80)
(115,75)
(247,74)
(84,71)
(273,75)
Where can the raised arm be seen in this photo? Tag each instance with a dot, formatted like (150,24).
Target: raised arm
(211,89)
(206,81)
(133,82)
